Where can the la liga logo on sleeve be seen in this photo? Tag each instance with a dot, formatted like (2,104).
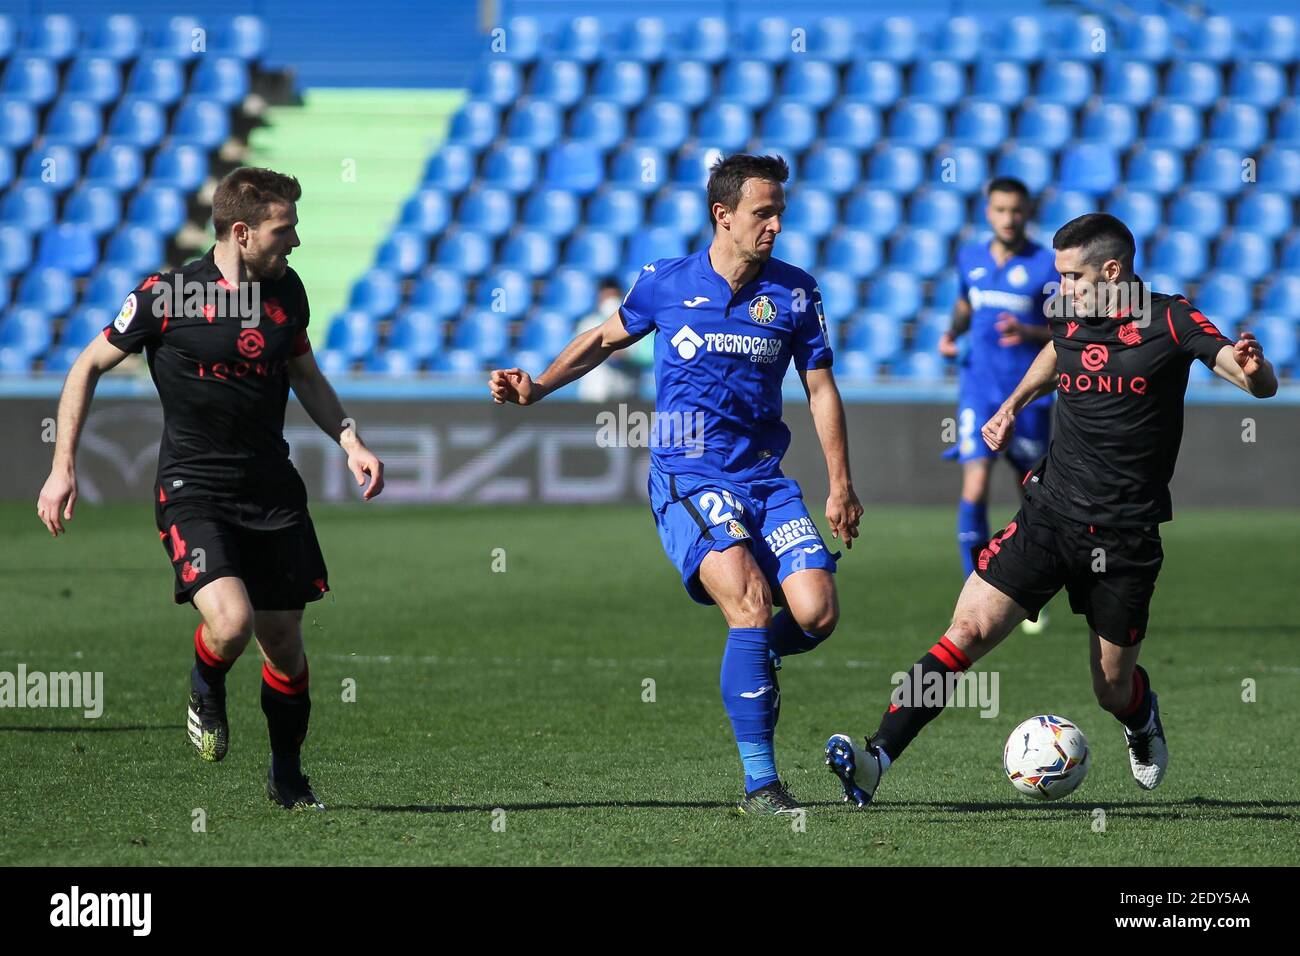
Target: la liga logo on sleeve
(124,317)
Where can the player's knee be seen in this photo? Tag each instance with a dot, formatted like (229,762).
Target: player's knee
(1113,695)
(228,628)
(967,629)
(822,622)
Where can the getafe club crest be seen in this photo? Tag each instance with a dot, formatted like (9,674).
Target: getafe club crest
(761,309)
(736,529)
(1018,275)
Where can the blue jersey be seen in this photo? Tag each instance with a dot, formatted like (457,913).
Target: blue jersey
(720,358)
(1016,287)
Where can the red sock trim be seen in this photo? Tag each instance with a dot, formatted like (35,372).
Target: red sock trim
(1139,691)
(292,686)
(205,653)
(950,654)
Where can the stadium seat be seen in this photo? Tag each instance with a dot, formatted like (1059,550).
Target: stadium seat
(1067,82)
(504,292)
(1178,252)
(1019,39)
(1286,130)
(962,169)
(1126,81)
(81,327)
(1275,40)
(137,249)
(1218,169)
(242,36)
(220,78)
(873,82)
(464,251)
(15,251)
(692,166)
(1198,211)
(809,210)
(7,170)
(1277,337)
(1266,213)
(118,166)
(577,167)
(93,79)
(392,362)
(644,39)
(17,124)
(1246,254)
(855,367)
(49,289)
(179,165)
(767,39)
(1046,125)
(68,247)
(1281,291)
(705,39)
(201,123)
(476,124)
(1174,125)
(648,245)
(894,292)
(497,82)
(439,292)
(854,252)
(1113,124)
(108,287)
(839,295)
(1089,167)
(451,169)
(1138,210)
(876,335)
(563,82)
(1146,38)
(403,253)
(641,168)
(572,291)
(797,248)
(1001,81)
(488,211)
(530,252)
(137,123)
(377,293)
(725,125)
(552,211)
(1290,255)
(1030,164)
(941,211)
(53,167)
(116,37)
(521,39)
(918,251)
(918,125)
(159,207)
(157,79)
(980,123)
(1211,39)
(680,209)
(416,333)
(1224,297)
(661,124)
(1192,82)
(174,37)
(1259,83)
(893,39)
(958,39)
(484,334)
(938,82)
(944,291)
(26,331)
(97,208)
(27,206)
(788,125)
(598,124)
(1060,206)
(832,40)
(624,82)
(929,328)
(456,362)
(1154,169)
(30,79)
(746,81)
(428,211)
(875,211)
(689,82)
(353,335)
(595,252)
(546,332)
(1240,126)
(813,83)
(1081,37)
(580,40)
(891,167)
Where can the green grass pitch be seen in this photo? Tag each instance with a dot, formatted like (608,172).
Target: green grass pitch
(523,690)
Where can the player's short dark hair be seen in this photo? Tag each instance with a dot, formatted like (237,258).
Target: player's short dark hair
(728,175)
(1101,236)
(1008,184)
(247,195)
(609,282)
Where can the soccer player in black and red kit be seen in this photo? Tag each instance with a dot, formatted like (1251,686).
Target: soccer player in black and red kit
(1118,361)
(225,337)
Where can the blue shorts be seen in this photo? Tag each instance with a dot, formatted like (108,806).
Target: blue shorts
(698,515)
(1028,445)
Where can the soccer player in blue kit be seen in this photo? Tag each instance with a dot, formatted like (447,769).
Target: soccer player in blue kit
(730,320)
(1000,308)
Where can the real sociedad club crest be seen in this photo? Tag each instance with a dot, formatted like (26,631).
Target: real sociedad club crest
(761,309)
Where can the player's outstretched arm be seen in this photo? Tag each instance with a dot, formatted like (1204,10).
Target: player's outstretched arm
(961,314)
(578,358)
(843,510)
(1039,380)
(1243,364)
(322,403)
(59,495)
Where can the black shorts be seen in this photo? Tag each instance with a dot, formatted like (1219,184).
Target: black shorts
(282,569)
(1109,573)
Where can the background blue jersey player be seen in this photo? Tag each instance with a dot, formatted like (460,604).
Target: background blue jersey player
(1000,308)
(730,320)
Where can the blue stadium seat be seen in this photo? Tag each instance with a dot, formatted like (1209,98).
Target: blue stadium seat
(17,124)
(919,251)
(108,287)
(202,123)
(1001,81)
(377,293)
(568,290)
(788,125)
(505,292)
(746,81)
(476,124)
(136,248)
(839,294)
(921,367)
(1113,124)
(1049,125)
(958,39)
(1211,39)
(595,251)
(1247,254)
(1192,82)
(552,211)
(811,82)
(534,123)
(1126,81)
(52,290)
(705,39)
(353,334)
(1019,39)
(1279,170)
(93,79)
(484,334)
(876,335)
(546,332)
(559,81)
(26,331)
(657,242)
(1198,210)
(428,211)
(71,248)
(530,252)
(797,248)
(8,37)
(28,206)
(53,36)
(918,125)
(836,169)
(980,123)
(624,82)
(580,40)
(831,40)
(873,82)
(1218,169)
(510,167)
(853,252)
(451,169)
(644,39)
(1290,256)
(497,82)
(391,362)
(464,251)
(1238,125)
(97,208)
(681,209)
(30,79)
(521,39)
(944,291)
(1281,291)
(851,123)
(439,292)
(82,326)
(1068,82)
(7,170)
(809,210)
(767,39)
(1174,125)
(1266,213)
(53,167)
(15,250)
(1154,169)
(893,39)
(220,78)
(139,124)
(459,362)
(116,37)
(1031,165)
(689,82)
(1258,83)
(159,207)
(1178,252)
(963,169)
(181,166)
(873,210)
(599,124)
(242,36)
(1277,337)
(403,253)
(577,167)
(725,125)
(895,293)
(175,38)
(1146,38)
(1274,39)
(1225,297)
(661,124)
(642,168)
(692,165)
(929,328)
(855,367)
(60,359)
(941,211)
(940,82)
(1089,167)
(158,79)
(1140,211)
(1286,131)
(416,333)
(1081,37)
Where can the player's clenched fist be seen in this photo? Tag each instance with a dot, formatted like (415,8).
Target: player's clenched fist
(513,385)
(997,431)
(1248,353)
(56,500)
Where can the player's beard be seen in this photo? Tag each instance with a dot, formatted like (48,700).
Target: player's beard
(269,266)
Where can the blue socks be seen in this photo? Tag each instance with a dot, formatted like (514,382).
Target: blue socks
(748,695)
(787,637)
(972,530)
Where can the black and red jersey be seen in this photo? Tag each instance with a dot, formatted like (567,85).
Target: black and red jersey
(219,356)
(1119,411)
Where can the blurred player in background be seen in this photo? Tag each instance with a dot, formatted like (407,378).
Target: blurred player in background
(1000,309)
(226,337)
(729,321)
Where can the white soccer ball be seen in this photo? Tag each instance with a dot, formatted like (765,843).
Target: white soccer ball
(1046,757)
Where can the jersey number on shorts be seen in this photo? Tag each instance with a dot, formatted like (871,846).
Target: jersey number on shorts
(712,503)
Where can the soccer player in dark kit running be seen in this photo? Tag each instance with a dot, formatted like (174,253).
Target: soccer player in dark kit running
(1118,361)
(225,337)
